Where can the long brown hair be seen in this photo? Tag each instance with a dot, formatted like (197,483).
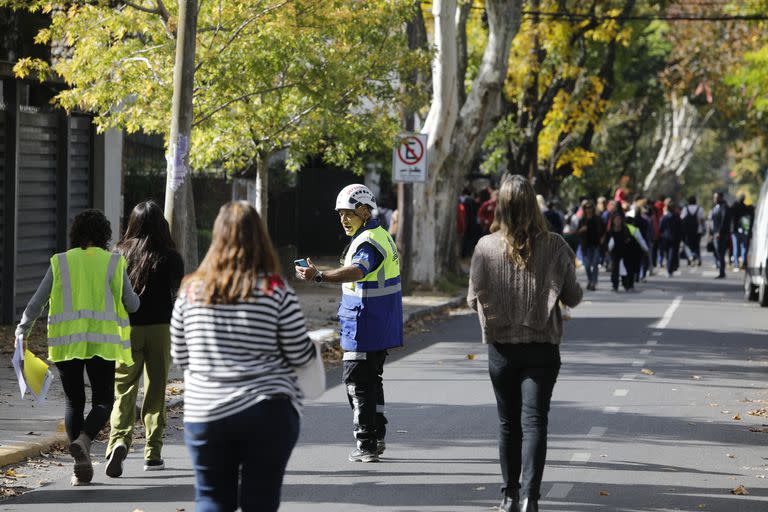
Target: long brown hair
(518,219)
(147,240)
(240,260)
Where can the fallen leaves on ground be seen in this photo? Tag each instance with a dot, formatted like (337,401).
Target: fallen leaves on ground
(730,455)
(604,493)
(764,430)
(759,412)
(647,371)
(740,490)
(696,377)
(471,357)
(737,418)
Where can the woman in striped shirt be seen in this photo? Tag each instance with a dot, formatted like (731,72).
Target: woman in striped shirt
(238,331)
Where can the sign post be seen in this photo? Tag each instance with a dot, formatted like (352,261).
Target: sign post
(409,159)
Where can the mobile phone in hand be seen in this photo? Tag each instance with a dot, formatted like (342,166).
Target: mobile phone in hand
(301,262)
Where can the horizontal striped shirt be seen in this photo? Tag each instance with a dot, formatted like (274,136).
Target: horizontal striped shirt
(236,355)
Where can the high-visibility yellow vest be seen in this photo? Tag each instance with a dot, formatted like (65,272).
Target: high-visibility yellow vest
(371,309)
(86,316)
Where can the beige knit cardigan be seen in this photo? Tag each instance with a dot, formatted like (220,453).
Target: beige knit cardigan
(522,305)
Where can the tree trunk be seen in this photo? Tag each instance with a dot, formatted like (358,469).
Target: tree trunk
(456,132)
(179,201)
(680,128)
(261,202)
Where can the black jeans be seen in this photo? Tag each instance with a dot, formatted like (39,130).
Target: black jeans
(101,374)
(721,246)
(365,392)
(241,459)
(672,250)
(523,377)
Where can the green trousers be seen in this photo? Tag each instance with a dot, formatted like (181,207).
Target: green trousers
(151,350)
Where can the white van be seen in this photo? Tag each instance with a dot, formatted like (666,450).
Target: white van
(756,275)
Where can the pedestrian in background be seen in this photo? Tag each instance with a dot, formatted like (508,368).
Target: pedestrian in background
(486,212)
(370,315)
(89,297)
(720,231)
(155,270)
(692,217)
(625,246)
(238,331)
(591,231)
(519,274)
(742,218)
(671,228)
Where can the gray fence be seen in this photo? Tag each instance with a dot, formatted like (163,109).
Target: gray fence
(47,174)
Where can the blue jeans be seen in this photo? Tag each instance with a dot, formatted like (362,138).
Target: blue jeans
(590,256)
(259,441)
(523,377)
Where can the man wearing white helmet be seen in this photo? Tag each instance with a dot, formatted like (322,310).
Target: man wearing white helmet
(370,314)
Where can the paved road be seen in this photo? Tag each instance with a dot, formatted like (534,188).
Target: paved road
(620,439)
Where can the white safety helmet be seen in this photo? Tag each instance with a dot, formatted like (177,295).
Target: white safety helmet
(353,196)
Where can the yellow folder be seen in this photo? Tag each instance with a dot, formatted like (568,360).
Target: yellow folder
(37,375)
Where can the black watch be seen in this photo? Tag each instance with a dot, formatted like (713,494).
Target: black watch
(318,277)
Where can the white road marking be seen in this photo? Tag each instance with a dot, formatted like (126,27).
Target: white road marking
(560,491)
(595,432)
(652,342)
(611,409)
(645,351)
(580,458)
(638,363)
(621,392)
(662,324)
(628,376)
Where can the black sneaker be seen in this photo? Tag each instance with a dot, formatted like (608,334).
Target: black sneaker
(115,465)
(380,446)
(359,455)
(154,465)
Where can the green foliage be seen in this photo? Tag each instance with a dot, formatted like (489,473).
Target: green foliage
(310,76)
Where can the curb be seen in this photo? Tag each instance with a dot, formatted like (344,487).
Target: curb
(20,452)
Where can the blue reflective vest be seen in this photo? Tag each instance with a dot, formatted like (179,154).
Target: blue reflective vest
(371,309)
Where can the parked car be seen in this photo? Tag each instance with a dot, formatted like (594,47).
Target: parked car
(756,274)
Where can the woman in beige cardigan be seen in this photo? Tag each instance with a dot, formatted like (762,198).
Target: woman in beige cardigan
(519,275)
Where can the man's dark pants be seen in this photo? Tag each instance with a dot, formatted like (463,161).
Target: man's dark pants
(362,378)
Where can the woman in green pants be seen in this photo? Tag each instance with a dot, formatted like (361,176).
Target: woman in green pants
(155,270)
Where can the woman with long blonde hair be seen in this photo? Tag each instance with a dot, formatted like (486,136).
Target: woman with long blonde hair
(519,275)
(238,331)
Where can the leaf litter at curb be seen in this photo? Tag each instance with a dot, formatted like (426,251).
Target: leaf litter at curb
(740,491)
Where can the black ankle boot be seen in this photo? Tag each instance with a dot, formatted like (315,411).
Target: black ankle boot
(530,505)
(509,504)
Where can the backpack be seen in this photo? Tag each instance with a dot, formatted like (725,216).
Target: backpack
(691,222)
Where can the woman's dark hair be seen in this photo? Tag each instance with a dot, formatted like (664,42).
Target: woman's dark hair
(146,242)
(90,228)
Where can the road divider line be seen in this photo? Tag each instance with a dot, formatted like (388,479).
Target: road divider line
(664,322)
(638,363)
(621,392)
(611,409)
(560,491)
(596,432)
(580,458)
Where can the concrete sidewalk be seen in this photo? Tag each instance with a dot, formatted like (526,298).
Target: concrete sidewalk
(28,428)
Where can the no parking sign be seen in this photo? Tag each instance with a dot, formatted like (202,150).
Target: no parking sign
(409,158)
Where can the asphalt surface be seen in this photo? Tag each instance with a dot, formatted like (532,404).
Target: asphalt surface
(650,413)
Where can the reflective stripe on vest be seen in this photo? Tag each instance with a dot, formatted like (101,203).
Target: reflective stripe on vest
(386,280)
(87,318)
